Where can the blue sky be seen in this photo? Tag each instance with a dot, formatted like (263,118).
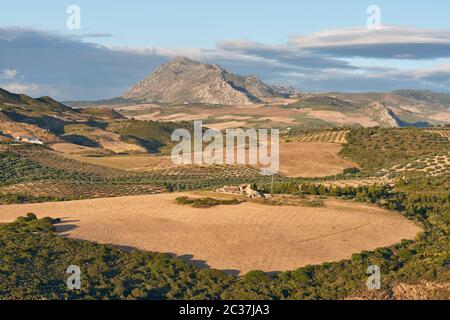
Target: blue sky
(201,23)
(315,46)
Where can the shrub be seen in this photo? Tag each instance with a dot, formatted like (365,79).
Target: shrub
(205,202)
(352,171)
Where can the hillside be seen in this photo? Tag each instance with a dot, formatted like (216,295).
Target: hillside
(102,112)
(13,129)
(11,101)
(153,136)
(183,81)
(405,108)
(383,115)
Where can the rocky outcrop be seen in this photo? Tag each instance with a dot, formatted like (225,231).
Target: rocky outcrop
(403,291)
(286,90)
(184,81)
(385,117)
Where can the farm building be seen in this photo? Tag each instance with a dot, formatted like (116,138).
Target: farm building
(29,140)
(243,190)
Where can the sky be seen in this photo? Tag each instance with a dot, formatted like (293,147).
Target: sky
(46,49)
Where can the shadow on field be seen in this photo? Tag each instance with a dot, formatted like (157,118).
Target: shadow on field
(201,264)
(189,258)
(65,226)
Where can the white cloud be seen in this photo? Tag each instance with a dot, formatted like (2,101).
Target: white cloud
(387,42)
(365,36)
(72,69)
(8,74)
(31,89)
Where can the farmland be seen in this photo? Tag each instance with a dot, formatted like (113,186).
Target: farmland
(297,159)
(240,237)
(332,136)
(117,199)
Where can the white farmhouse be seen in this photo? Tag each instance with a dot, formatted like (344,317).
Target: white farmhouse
(31,140)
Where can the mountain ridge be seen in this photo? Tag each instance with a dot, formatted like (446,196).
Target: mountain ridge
(186,81)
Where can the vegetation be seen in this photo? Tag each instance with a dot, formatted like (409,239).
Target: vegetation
(24,198)
(34,259)
(206,202)
(152,135)
(376,148)
(36,171)
(313,135)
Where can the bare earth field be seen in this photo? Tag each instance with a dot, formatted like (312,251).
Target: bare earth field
(297,159)
(129,162)
(71,148)
(238,238)
(247,115)
(312,159)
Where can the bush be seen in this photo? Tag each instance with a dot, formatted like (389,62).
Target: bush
(205,202)
(30,217)
(352,171)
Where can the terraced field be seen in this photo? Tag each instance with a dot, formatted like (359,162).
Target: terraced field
(37,171)
(431,165)
(441,132)
(321,136)
(70,190)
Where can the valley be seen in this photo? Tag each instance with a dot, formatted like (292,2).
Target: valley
(363,179)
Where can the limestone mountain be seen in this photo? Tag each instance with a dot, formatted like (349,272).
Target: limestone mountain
(380,113)
(185,81)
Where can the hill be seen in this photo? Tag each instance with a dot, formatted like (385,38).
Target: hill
(13,129)
(182,80)
(13,101)
(383,115)
(102,112)
(404,108)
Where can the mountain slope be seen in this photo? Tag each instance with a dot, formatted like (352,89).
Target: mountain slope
(182,81)
(11,101)
(383,115)
(15,129)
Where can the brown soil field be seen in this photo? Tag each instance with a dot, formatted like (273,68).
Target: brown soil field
(226,125)
(111,141)
(237,238)
(129,162)
(273,113)
(72,148)
(341,118)
(297,159)
(312,159)
(16,129)
(278,119)
(443,116)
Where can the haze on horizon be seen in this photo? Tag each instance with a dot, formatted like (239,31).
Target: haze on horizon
(320,46)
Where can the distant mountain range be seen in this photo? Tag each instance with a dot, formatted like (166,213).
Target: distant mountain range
(181,85)
(185,81)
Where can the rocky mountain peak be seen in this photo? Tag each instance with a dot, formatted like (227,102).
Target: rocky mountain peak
(183,80)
